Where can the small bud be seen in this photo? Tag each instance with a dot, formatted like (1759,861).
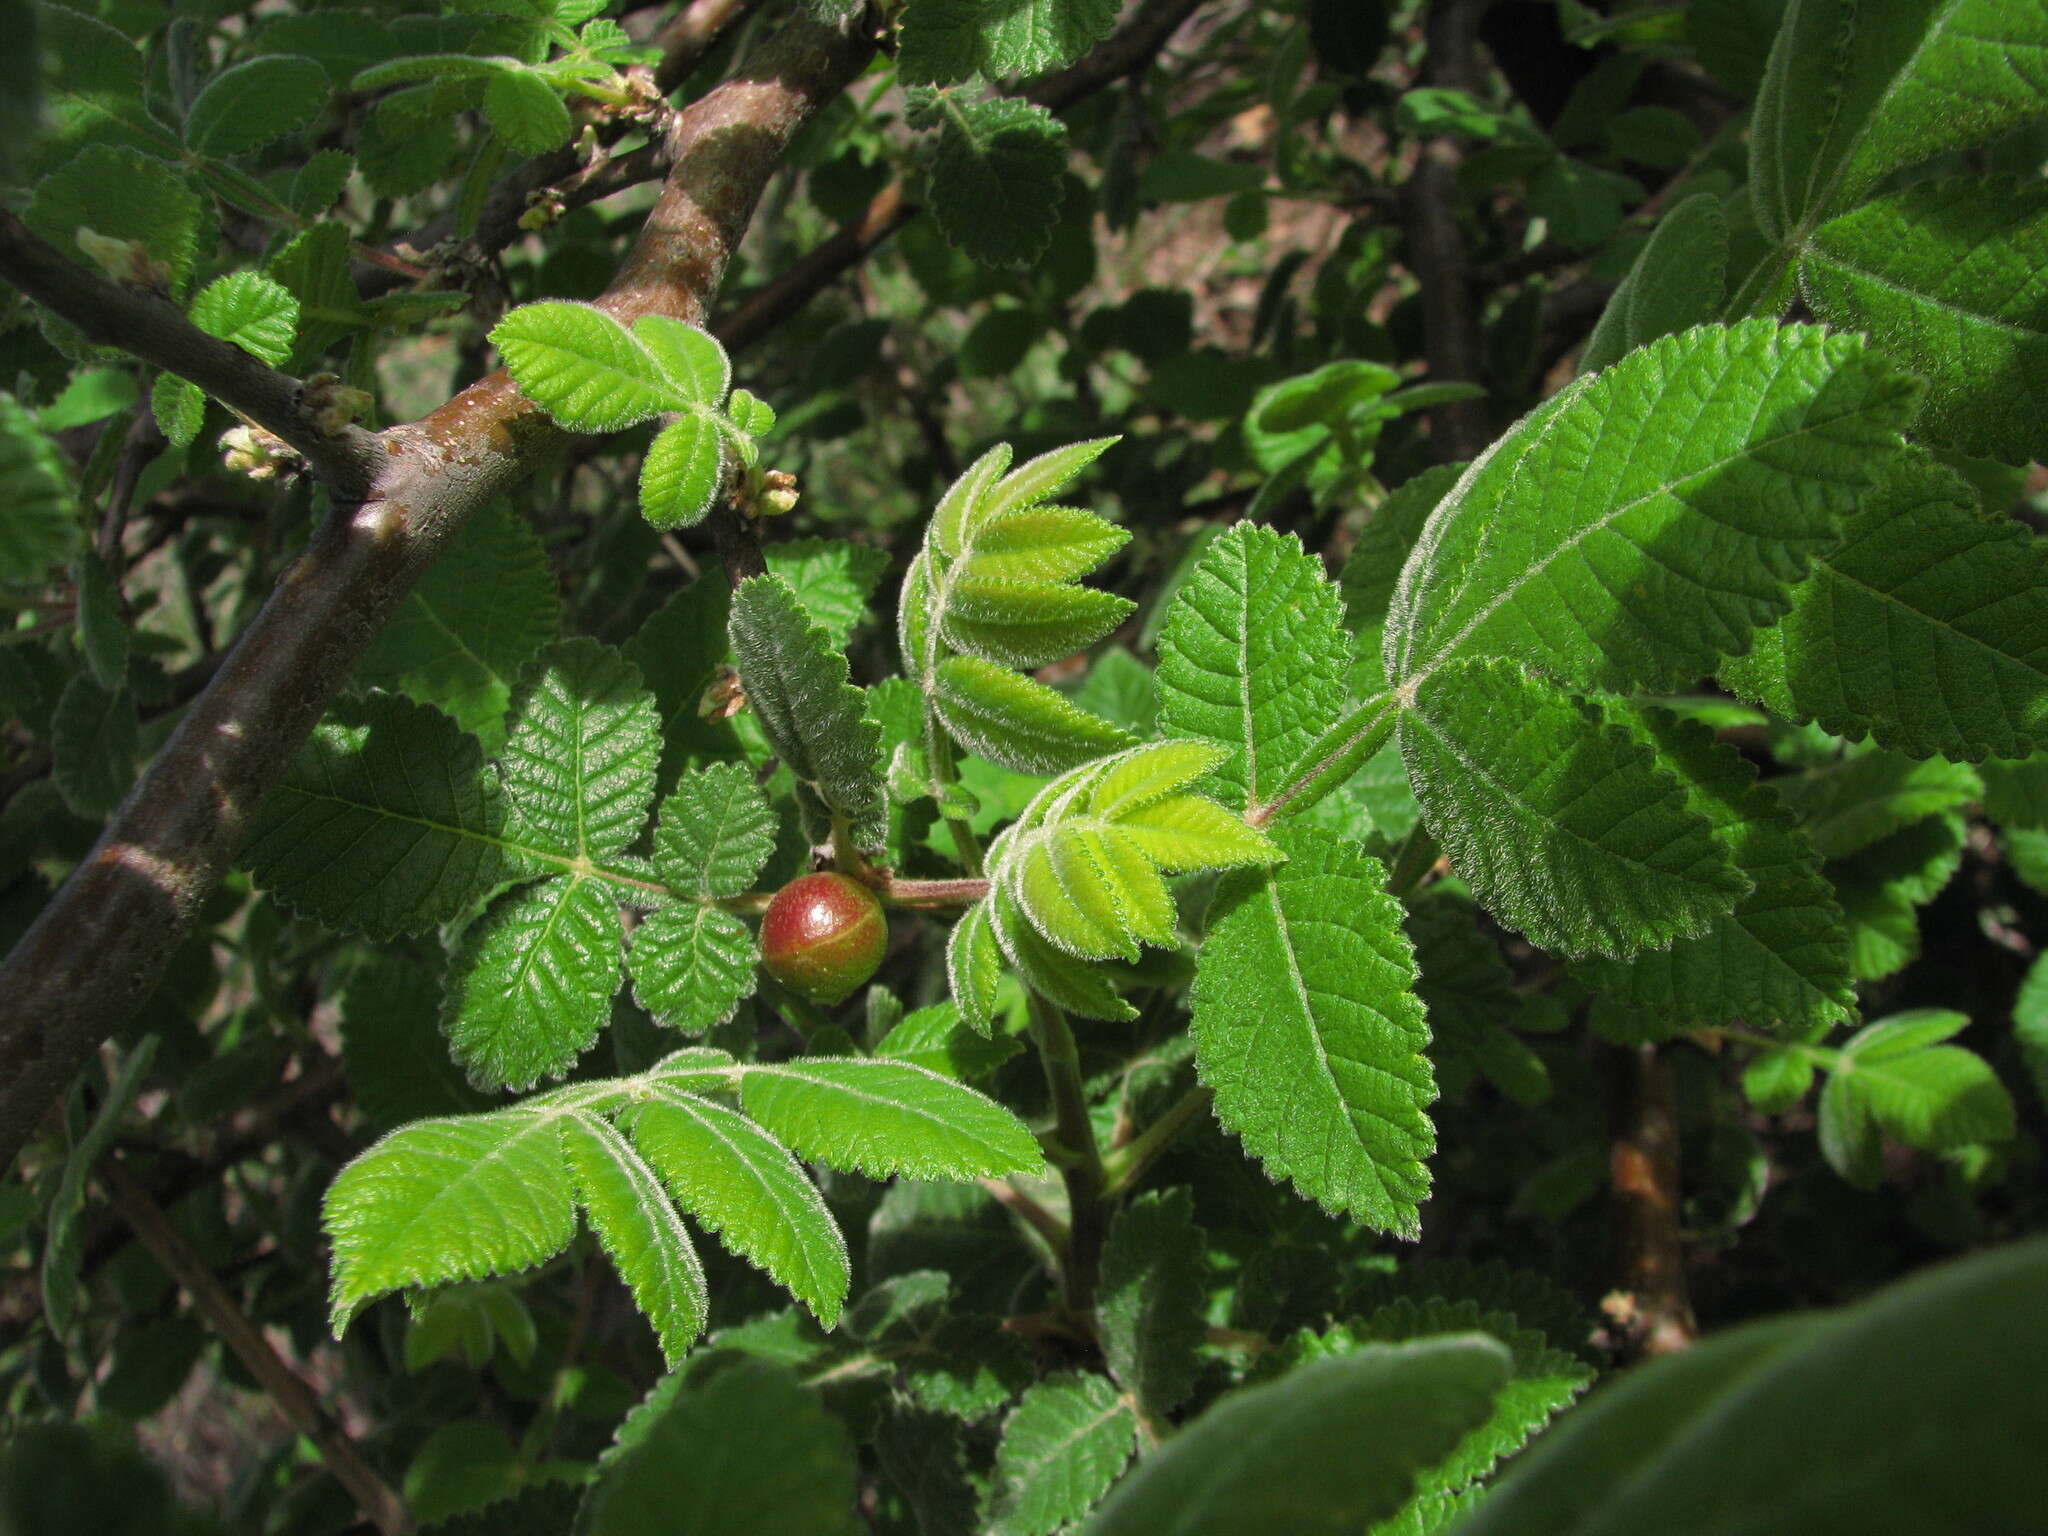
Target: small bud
(332,405)
(254,452)
(125,261)
(725,697)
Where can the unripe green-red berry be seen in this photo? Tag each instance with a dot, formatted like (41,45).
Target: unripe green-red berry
(823,935)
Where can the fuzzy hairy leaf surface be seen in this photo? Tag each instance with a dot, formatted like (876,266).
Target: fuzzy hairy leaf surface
(1152,1299)
(1639,526)
(749,1448)
(692,965)
(887,1117)
(478,615)
(1330,1447)
(1254,658)
(249,104)
(1307,1026)
(448,1200)
(1856,90)
(948,40)
(1085,863)
(1950,277)
(1781,957)
(531,983)
(1564,823)
(832,578)
(386,823)
(1470,994)
(1017,722)
(1925,629)
(525,112)
(715,832)
(1063,1445)
(582,367)
(796,683)
(640,1230)
(1078,986)
(95,740)
(1849,805)
(579,764)
(256,313)
(974,965)
(682,473)
(1678,281)
(742,1184)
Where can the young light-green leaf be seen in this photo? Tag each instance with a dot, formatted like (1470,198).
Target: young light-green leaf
(256,313)
(1307,1026)
(582,367)
(682,473)
(1063,1445)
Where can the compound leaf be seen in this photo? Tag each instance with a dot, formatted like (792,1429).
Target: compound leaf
(1307,1026)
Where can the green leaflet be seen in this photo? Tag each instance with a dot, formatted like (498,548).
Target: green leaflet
(833,579)
(248,105)
(1881,884)
(934,1037)
(784,1465)
(525,112)
(1564,824)
(1307,1027)
(1851,804)
(1151,1302)
(1063,1445)
(715,832)
(796,683)
(640,1230)
(743,1184)
(1855,90)
(1373,571)
(682,472)
(948,40)
(1897,1078)
(974,965)
(531,983)
(1084,863)
(692,965)
(1330,1447)
(41,523)
(1781,957)
(1950,277)
(1542,1379)
(997,172)
(886,1117)
(579,764)
(1923,629)
(1471,1000)
(1639,526)
(1254,658)
(584,368)
(447,1200)
(387,822)
(1678,281)
(95,740)
(256,313)
(477,617)
(992,592)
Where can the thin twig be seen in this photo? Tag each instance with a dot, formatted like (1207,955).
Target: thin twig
(167,1245)
(1654,1307)
(1076,1151)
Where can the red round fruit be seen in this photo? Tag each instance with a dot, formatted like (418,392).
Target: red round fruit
(823,935)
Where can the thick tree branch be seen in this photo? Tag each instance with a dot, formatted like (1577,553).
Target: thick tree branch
(99,947)
(167,1245)
(157,331)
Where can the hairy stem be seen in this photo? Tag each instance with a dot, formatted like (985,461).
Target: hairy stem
(1123,1167)
(1079,1158)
